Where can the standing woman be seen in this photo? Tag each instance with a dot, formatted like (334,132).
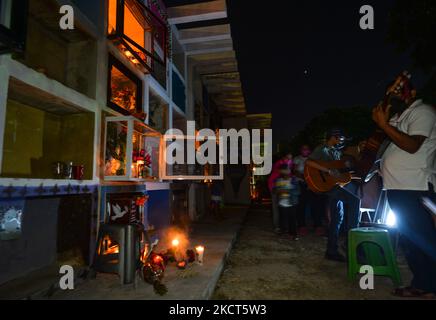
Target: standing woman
(284,160)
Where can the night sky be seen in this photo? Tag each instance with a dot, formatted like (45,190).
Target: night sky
(300,59)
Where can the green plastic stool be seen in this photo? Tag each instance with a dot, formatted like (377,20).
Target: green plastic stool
(372,240)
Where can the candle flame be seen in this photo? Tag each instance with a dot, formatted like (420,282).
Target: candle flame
(199,249)
(177,240)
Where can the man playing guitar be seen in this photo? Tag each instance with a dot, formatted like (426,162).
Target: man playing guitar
(409,175)
(340,197)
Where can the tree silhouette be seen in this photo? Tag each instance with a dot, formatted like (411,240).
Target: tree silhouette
(356,123)
(412,28)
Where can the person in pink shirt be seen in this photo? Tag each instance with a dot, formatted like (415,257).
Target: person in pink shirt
(275,174)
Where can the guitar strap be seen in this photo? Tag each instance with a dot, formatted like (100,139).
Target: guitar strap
(383,147)
(376,166)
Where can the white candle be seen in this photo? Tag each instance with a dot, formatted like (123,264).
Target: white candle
(200,253)
(175,243)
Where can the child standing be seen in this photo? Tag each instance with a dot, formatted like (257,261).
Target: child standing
(287,191)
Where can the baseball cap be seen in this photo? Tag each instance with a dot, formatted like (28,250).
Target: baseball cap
(336,132)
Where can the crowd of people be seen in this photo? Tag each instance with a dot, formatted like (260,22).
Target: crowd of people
(287,182)
(407,170)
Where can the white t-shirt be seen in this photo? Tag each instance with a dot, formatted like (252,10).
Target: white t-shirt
(402,170)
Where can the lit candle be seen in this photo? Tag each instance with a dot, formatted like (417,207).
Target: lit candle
(200,253)
(175,243)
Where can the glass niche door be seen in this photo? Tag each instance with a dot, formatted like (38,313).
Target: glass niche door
(132,150)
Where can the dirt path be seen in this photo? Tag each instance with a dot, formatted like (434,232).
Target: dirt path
(264,266)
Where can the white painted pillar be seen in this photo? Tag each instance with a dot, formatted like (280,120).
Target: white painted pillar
(5,13)
(146,98)
(4,87)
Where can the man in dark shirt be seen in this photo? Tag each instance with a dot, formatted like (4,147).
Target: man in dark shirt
(340,198)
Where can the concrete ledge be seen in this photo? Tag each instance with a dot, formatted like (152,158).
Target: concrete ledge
(195,283)
(38,284)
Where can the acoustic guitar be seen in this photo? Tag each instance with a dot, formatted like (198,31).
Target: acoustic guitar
(366,166)
(377,144)
(319,181)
